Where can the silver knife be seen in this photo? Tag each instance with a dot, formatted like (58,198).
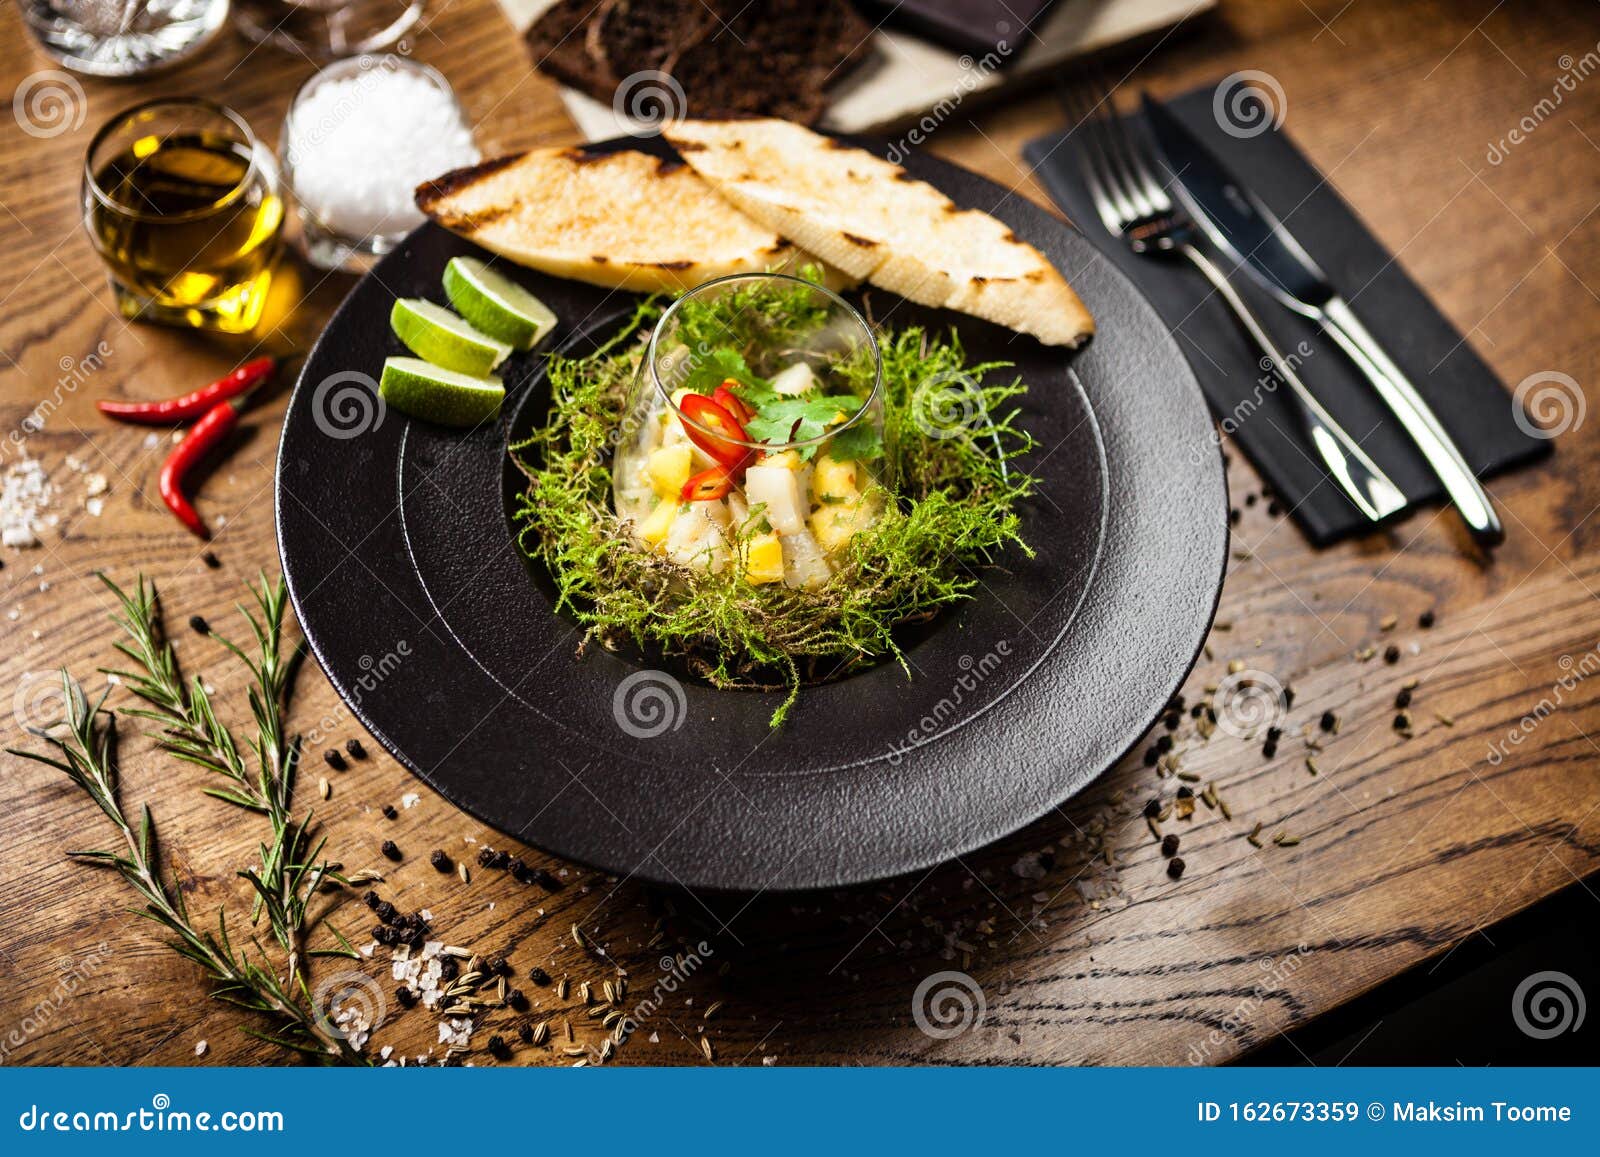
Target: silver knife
(1246,231)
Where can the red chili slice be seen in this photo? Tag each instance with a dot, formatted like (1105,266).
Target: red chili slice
(708,485)
(731,402)
(703,412)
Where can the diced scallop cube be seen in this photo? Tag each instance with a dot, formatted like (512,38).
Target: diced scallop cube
(805,567)
(777,490)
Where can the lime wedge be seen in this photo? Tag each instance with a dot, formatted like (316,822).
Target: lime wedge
(426,391)
(495,304)
(435,333)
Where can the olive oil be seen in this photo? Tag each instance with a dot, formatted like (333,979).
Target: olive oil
(188,224)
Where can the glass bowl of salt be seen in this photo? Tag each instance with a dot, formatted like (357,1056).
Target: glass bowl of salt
(361,135)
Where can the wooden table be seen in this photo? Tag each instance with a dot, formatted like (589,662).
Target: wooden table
(1088,953)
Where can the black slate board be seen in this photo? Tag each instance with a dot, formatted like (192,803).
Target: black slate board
(1463,391)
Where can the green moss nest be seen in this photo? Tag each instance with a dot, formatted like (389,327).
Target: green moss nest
(949,443)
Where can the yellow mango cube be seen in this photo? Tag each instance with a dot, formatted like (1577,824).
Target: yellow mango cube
(788,459)
(835,525)
(668,469)
(654,528)
(764,560)
(835,479)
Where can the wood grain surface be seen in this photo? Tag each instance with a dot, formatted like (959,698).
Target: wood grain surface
(1069,938)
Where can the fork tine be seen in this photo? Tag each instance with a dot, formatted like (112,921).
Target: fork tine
(1143,170)
(1115,210)
(1119,147)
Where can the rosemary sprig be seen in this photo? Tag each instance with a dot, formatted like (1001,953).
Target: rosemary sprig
(87,756)
(289,873)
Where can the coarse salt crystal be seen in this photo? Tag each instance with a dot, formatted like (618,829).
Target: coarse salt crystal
(360,144)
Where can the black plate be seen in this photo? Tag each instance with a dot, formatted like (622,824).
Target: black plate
(444,641)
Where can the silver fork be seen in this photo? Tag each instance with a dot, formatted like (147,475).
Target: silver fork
(1133,205)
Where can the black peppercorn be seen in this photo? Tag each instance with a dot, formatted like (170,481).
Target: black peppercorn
(353,746)
(538,975)
(500,860)
(405,996)
(389,813)
(498,1048)
(386,912)
(1403,700)
(1425,620)
(440,861)
(1169,846)
(516,868)
(390,850)
(449,968)
(1152,809)
(333,759)
(386,935)
(496,966)
(1151,755)
(1274,734)
(1171,720)
(1288,698)
(370,899)
(1175,867)
(211,560)
(1402,721)
(1164,744)
(485,855)
(525,1033)
(545,880)
(1328,721)
(1269,749)
(1391,654)
(1234,515)
(1185,792)
(1249,499)
(200,626)
(516,1000)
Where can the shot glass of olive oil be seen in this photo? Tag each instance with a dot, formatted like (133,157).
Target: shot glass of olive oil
(183,205)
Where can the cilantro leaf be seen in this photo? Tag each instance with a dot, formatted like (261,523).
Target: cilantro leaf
(861,442)
(709,372)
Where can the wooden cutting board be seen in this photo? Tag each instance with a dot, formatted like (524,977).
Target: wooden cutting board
(905,80)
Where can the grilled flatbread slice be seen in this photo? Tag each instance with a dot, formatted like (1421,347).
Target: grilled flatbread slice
(624,220)
(873,220)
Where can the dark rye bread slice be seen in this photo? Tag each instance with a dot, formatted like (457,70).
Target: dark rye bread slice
(730,57)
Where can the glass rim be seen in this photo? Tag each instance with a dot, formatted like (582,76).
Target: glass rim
(769,447)
(245,182)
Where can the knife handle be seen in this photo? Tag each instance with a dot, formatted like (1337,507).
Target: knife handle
(1420,422)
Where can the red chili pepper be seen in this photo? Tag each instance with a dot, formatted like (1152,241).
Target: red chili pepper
(724,396)
(175,411)
(708,485)
(205,434)
(701,411)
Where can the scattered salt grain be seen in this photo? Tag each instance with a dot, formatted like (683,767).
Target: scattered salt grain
(25,494)
(200,1049)
(410,799)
